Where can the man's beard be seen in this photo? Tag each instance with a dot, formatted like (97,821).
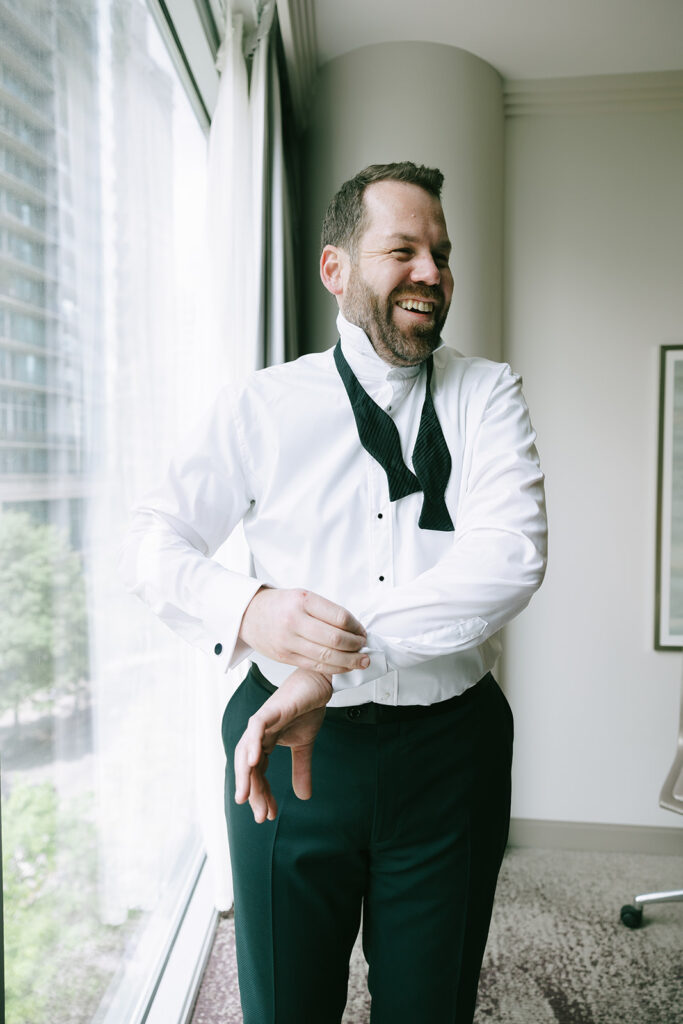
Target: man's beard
(364,307)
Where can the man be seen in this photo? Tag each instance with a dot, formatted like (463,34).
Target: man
(393,504)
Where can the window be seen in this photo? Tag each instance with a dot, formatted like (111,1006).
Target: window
(20,128)
(21,367)
(102,164)
(23,248)
(23,327)
(23,415)
(25,170)
(25,211)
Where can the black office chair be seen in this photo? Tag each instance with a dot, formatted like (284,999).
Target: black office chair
(671,797)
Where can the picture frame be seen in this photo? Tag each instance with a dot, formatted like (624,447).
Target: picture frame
(669,575)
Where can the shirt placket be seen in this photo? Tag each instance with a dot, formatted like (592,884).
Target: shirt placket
(381,562)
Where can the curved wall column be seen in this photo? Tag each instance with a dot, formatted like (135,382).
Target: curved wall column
(432,104)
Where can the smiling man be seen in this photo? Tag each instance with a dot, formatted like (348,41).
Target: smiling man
(392,500)
(395,283)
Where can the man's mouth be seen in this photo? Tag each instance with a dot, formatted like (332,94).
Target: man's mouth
(416,305)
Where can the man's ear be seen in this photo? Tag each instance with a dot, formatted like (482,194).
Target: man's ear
(333,265)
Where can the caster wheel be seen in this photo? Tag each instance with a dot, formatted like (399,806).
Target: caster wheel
(632,917)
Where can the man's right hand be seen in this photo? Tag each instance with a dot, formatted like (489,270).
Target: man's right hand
(298,627)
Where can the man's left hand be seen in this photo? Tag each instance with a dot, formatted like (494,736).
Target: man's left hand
(291,717)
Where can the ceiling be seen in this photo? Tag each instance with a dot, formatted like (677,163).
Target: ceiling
(520,38)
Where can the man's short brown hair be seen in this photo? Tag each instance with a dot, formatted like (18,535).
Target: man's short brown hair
(345,219)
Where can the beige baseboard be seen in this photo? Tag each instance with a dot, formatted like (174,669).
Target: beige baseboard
(578,835)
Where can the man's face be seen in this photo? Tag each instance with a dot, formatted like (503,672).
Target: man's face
(399,286)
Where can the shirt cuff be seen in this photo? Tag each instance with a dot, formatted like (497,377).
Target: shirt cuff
(225,598)
(349,680)
(405,652)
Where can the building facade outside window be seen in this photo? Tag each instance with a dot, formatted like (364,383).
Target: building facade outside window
(102,166)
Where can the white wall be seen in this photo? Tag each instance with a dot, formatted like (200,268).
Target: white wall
(436,105)
(594,285)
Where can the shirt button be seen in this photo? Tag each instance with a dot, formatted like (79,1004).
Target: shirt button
(218,649)
(381,579)
(353,713)
(379,515)
(388,408)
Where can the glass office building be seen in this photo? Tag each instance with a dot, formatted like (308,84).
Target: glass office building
(102,165)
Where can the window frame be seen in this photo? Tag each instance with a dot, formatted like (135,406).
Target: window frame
(192,42)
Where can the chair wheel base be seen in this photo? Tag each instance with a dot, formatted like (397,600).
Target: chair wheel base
(631,916)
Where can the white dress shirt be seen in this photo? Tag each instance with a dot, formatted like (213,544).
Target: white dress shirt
(281,453)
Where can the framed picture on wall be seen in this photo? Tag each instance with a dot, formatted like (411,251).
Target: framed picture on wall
(669,588)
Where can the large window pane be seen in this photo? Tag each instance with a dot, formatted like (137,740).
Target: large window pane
(101,224)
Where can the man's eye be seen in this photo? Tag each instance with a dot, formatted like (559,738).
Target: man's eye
(401,252)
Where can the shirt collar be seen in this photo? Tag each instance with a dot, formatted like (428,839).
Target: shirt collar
(362,358)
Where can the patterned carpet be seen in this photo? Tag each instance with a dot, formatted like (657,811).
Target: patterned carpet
(557,952)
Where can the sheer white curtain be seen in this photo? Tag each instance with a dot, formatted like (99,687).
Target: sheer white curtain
(227,306)
(249,307)
(187,310)
(148,385)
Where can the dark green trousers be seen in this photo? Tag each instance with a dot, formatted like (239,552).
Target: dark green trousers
(408,824)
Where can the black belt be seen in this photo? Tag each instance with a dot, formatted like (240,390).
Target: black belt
(373,714)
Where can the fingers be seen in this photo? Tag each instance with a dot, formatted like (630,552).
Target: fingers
(252,785)
(299,627)
(261,800)
(292,717)
(327,637)
(302,781)
(320,657)
(249,755)
(333,614)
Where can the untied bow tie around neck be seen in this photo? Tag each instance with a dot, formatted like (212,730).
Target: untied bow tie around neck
(379,436)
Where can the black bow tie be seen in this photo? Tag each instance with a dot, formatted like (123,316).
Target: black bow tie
(379,436)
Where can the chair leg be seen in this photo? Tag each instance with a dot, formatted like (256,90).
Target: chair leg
(632,914)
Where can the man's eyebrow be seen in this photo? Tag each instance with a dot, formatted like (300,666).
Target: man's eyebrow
(444,245)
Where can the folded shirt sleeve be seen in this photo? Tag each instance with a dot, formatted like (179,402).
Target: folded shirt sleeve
(175,530)
(497,559)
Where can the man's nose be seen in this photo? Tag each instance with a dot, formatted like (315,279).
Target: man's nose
(425,270)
